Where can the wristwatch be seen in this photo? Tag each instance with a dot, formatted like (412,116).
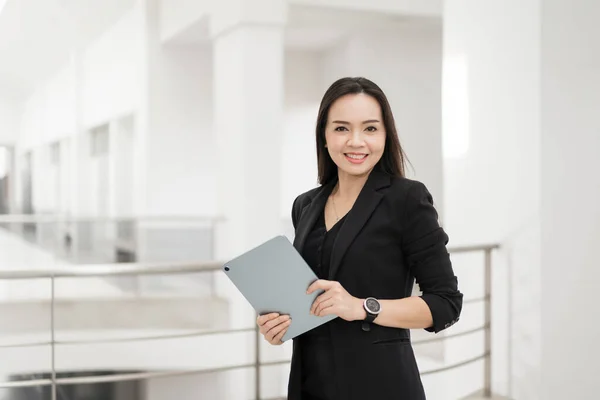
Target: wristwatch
(372,307)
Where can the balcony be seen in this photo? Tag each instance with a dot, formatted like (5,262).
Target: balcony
(147,327)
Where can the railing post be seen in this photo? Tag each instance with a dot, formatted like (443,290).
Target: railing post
(53,336)
(257,361)
(487,388)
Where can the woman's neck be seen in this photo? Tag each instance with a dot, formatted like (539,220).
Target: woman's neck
(349,186)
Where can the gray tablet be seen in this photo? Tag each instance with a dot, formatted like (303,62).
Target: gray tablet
(273,277)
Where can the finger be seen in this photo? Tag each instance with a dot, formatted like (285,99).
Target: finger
(321,298)
(279,336)
(331,310)
(324,305)
(264,328)
(275,322)
(320,284)
(272,334)
(262,319)
(271,324)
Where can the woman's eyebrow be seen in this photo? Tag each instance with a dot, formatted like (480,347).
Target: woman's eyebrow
(369,121)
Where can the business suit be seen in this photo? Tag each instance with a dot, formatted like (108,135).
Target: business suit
(390,237)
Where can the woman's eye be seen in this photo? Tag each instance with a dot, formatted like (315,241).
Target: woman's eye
(340,128)
(371,129)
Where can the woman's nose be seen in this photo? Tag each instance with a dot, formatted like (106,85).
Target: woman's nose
(355,139)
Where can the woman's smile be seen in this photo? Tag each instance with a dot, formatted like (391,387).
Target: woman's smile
(356,158)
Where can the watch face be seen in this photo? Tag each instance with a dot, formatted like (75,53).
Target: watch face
(373,306)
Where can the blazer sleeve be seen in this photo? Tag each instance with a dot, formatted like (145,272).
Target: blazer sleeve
(424,246)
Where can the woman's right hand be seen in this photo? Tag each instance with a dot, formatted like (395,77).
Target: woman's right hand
(273,326)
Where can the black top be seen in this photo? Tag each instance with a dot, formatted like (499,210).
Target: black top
(318,380)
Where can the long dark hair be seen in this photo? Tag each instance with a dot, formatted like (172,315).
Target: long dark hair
(393,158)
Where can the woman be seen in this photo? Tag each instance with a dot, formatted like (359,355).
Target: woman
(367,232)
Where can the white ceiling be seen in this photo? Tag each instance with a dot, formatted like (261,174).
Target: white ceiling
(319,28)
(37,37)
(315,28)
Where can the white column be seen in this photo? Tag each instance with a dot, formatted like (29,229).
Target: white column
(570,199)
(523,81)
(248,82)
(492,186)
(147,17)
(248,116)
(80,183)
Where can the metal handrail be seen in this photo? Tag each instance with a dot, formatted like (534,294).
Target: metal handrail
(200,333)
(100,270)
(134,376)
(196,333)
(49,218)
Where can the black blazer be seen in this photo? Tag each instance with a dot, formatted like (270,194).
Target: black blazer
(391,237)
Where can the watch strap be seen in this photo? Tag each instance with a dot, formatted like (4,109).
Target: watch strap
(370,317)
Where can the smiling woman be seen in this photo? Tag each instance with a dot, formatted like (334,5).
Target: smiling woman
(367,232)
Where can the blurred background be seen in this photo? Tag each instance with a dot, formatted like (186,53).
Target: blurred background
(145,142)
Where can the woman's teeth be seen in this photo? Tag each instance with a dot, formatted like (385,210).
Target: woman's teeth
(356,156)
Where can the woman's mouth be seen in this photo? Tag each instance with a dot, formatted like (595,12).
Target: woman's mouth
(356,158)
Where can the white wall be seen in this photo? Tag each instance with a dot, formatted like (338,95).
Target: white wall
(9,118)
(9,129)
(48,114)
(110,72)
(176,16)
(431,8)
(492,185)
(96,85)
(180,141)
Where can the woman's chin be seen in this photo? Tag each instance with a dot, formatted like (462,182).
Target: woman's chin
(356,170)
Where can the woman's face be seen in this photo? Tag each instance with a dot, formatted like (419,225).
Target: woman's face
(355,134)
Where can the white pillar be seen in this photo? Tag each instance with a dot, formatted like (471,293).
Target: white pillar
(570,199)
(173,146)
(492,186)
(248,82)
(248,115)
(522,151)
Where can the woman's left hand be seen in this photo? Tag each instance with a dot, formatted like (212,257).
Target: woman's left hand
(335,300)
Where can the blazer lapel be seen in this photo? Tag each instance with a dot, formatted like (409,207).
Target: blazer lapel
(365,204)
(309,216)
